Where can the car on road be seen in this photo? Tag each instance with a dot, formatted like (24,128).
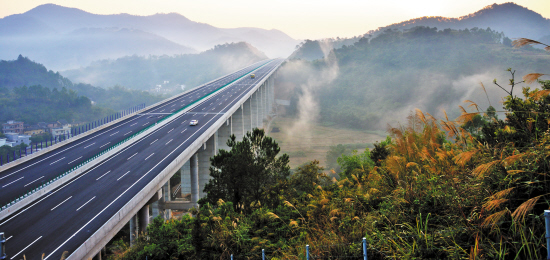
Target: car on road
(252,76)
(193,122)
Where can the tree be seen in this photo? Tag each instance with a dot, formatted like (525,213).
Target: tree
(243,174)
(308,177)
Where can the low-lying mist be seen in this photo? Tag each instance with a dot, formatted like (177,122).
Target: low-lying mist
(167,74)
(379,81)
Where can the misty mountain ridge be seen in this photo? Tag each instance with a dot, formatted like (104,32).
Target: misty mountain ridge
(42,30)
(380,80)
(123,80)
(514,20)
(189,70)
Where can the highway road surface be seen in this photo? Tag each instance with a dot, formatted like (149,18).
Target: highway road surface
(18,180)
(65,218)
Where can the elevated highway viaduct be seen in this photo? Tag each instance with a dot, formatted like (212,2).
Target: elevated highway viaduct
(83,212)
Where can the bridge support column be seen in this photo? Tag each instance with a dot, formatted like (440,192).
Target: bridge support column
(260,92)
(271,93)
(254,108)
(143,216)
(264,102)
(223,135)
(208,150)
(155,209)
(98,256)
(268,96)
(247,116)
(166,197)
(238,124)
(186,178)
(133,229)
(194,164)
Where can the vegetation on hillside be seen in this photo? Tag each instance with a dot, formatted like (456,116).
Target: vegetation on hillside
(378,80)
(25,73)
(40,104)
(433,190)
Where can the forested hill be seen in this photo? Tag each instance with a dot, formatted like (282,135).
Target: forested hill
(24,72)
(379,81)
(31,93)
(40,104)
(317,49)
(514,20)
(144,73)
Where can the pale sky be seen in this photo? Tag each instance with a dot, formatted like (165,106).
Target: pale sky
(301,19)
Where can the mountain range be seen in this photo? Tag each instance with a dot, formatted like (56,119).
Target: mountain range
(68,38)
(513,20)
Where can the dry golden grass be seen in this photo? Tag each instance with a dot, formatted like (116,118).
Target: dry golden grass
(314,141)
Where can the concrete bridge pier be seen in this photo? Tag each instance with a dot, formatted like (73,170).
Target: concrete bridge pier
(254,108)
(271,93)
(143,218)
(98,256)
(265,102)
(261,105)
(209,149)
(139,222)
(223,134)
(186,178)
(166,196)
(133,229)
(238,124)
(194,163)
(247,115)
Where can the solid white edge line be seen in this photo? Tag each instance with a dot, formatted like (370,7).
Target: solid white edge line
(143,176)
(61,203)
(85,203)
(109,203)
(61,151)
(25,248)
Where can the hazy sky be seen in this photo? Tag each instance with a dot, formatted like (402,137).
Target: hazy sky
(299,18)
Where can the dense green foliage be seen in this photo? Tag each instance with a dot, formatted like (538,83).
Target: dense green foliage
(24,72)
(243,174)
(40,104)
(431,191)
(379,80)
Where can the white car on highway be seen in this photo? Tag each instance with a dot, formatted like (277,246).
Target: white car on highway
(193,122)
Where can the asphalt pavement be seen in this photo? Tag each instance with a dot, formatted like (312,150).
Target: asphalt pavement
(65,218)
